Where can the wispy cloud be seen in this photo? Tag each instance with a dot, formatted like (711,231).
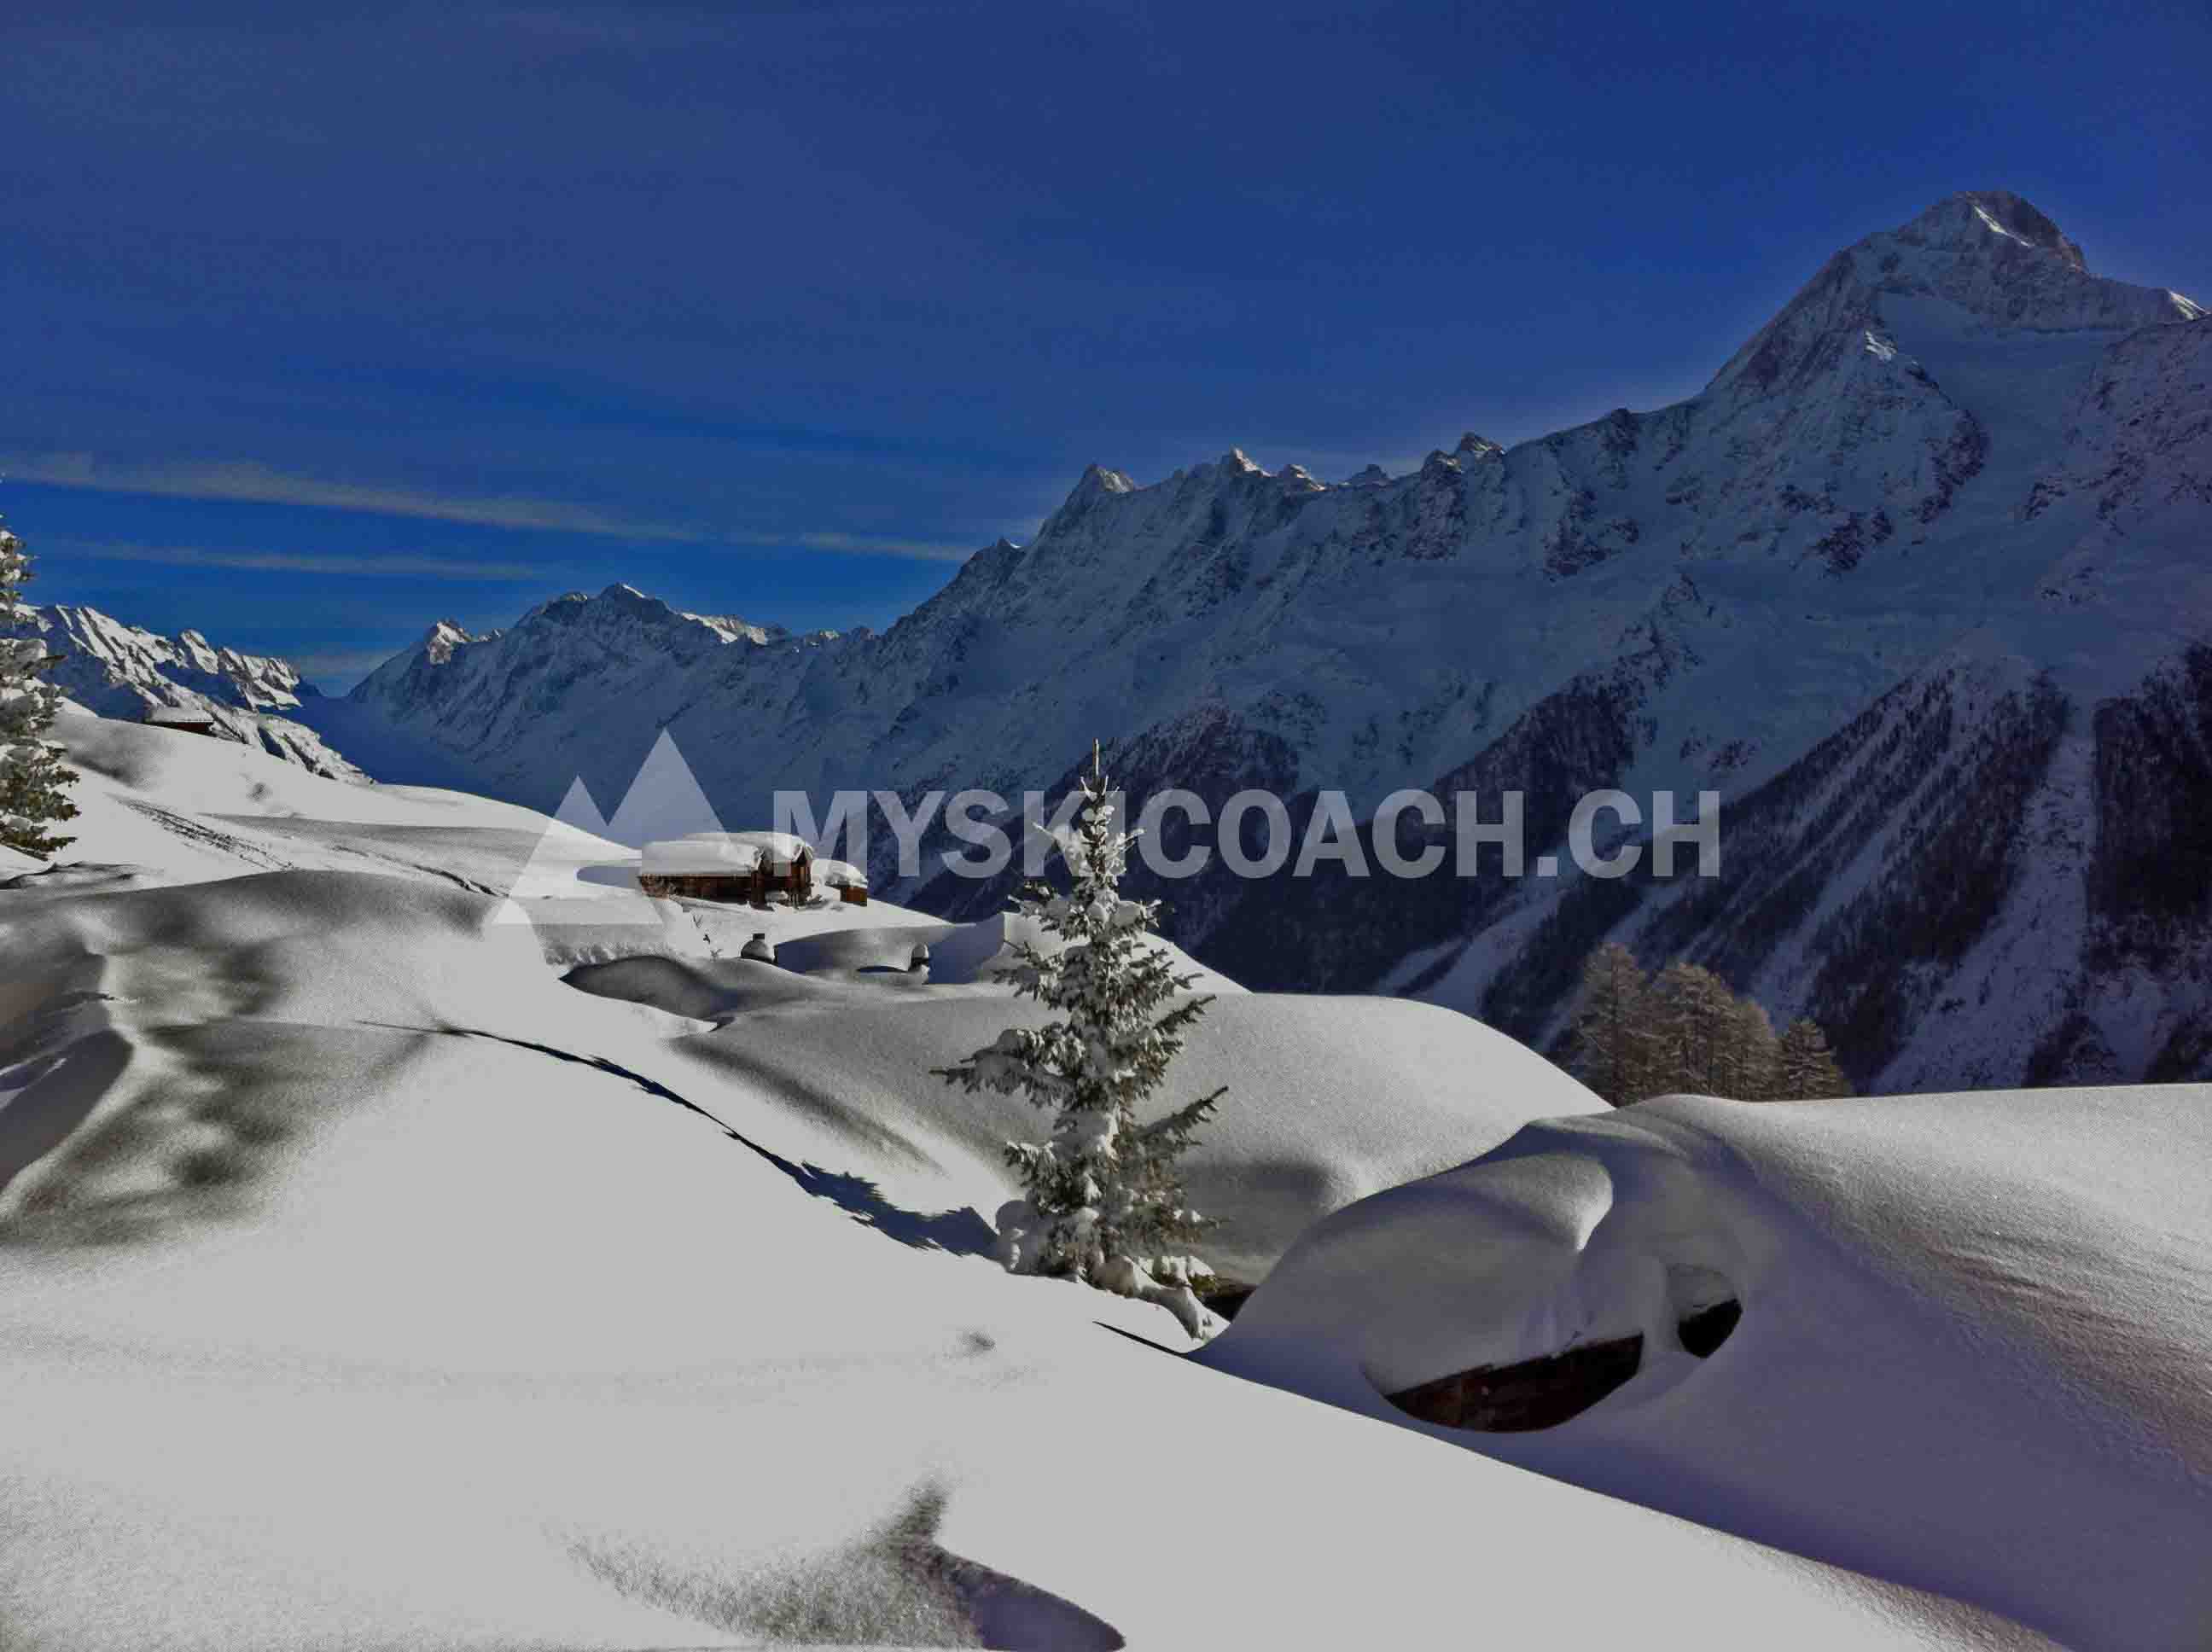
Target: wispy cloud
(861,544)
(258,483)
(288,562)
(254,482)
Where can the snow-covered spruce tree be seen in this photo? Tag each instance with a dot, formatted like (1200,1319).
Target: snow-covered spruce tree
(1104,1201)
(32,772)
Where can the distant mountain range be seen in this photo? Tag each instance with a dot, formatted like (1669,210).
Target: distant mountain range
(1919,583)
(120,670)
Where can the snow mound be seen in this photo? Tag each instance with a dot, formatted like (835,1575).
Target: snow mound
(1955,1341)
(883,937)
(1329,1099)
(77,877)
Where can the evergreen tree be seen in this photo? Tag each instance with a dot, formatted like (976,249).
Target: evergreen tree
(1806,1067)
(1633,1036)
(32,771)
(1751,1063)
(1612,1035)
(1692,1020)
(1104,1201)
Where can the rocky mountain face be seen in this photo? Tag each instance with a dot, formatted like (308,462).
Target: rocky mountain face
(1917,583)
(120,670)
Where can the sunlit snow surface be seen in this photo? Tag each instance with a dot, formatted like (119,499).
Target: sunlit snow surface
(363,1284)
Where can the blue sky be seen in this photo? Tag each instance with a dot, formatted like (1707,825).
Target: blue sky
(320,321)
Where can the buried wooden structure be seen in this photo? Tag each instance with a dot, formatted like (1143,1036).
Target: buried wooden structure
(184,719)
(745,868)
(794,877)
(1534,1394)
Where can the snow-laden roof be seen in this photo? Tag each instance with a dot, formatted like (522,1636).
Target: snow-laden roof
(777,845)
(727,854)
(840,874)
(709,852)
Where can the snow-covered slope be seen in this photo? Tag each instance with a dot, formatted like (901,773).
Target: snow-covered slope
(119,671)
(1971,1352)
(1956,459)
(362,1284)
(179,808)
(839,1029)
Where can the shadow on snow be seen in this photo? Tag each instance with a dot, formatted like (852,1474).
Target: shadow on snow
(962,1232)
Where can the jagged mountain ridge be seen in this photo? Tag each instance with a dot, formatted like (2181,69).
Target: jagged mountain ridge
(1954,455)
(122,670)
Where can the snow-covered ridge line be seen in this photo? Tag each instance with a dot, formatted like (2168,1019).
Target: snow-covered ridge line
(1955,437)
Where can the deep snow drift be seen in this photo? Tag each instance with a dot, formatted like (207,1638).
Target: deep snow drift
(363,1284)
(1974,1351)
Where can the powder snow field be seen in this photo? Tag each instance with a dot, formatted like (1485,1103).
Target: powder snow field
(364,1284)
(184,808)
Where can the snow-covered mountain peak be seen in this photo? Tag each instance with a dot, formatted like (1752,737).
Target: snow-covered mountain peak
(1097,482)
(87,640)
(1100,479)
(1474,446)
(732,628)
(441,639)
(624,608)
(1971,263)
(2005,263)
(1237,462)
(1967,218)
